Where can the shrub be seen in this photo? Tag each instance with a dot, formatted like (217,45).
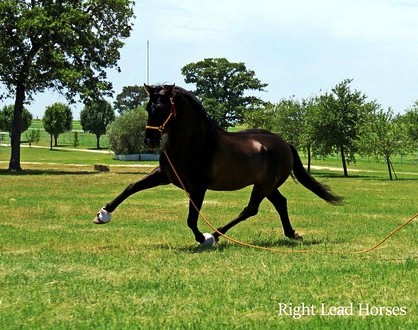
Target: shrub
(126,134)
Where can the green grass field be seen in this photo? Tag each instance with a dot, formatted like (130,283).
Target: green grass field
(143,270)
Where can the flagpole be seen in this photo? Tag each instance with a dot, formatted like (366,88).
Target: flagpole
(147,62)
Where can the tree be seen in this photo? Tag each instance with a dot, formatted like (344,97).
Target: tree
(223,87)
(126,134)
(6,119)
(264,118)
(64,45)
(130,98)
(310,111)
(57,119)
(337,121)
(289,121)
(383,136)
(95,117)
(410,119)
(33,136)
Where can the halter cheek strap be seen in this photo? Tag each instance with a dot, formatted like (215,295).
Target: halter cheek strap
(172,113)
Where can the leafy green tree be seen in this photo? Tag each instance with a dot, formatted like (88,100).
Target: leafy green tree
(383,136)
(308,134)
(289,121)
(126,134)
(65,45)
(95,117)
(33,136)
(263,118)
(223,87)
(57,119)
(130,98)
(410,119)
(337,121)
(290,118)
(285,118)
(6,119)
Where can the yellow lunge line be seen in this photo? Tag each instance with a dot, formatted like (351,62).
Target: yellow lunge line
(280,250)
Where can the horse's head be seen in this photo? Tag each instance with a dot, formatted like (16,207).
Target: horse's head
(160,110)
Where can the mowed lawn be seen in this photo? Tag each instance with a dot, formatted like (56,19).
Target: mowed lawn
(143,270)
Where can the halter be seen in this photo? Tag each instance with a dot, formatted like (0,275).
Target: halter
(172,113)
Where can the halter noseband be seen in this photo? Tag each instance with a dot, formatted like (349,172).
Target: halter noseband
(172,113)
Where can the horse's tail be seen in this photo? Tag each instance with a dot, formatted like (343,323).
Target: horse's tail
(309,182)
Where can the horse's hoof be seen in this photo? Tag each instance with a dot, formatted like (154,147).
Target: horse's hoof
(210,240)
(102,217)
(97,220)
(296,236)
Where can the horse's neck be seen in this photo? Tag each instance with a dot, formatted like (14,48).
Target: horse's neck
(190,135)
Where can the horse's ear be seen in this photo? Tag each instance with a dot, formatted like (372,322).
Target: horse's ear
(148,89)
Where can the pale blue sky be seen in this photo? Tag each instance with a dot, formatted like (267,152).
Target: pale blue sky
(298,47)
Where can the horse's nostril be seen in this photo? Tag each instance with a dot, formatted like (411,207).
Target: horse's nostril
(148,143)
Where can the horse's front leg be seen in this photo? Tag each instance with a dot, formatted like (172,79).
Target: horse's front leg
(195,204)
(154,179)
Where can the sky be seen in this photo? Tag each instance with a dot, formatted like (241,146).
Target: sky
(299,48)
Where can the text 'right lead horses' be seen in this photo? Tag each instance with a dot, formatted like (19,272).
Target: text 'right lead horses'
(206,157)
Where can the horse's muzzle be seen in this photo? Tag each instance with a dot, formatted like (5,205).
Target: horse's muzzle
(152,143)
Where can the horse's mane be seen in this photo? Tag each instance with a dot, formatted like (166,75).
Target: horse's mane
(196,103)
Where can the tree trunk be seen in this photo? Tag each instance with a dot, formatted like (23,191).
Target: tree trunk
(50,142)
(389,169)
(309,158)
(56,140)
(98,141)
(14,164)
(344,162)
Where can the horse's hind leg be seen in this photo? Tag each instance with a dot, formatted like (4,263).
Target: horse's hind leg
(249,211)
(280,204)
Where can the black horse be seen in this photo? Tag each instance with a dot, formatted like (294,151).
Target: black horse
(206,157)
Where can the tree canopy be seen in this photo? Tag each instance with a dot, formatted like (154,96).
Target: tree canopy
(223,87)
(130,98)
(383,136)
(338,119)
(63,45)
(410,119)
(57,119)
(6,119)
(95,117)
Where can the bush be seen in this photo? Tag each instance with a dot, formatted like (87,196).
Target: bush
(126,134)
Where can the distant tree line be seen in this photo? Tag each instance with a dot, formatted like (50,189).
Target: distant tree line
(342,122)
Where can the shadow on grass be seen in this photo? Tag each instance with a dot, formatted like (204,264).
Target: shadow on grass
(285,242)
(363,176)
(269,244)
(34,172)
(45,172)
(131,172)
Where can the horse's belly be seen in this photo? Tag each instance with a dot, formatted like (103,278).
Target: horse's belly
(228,186)
(232,178)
